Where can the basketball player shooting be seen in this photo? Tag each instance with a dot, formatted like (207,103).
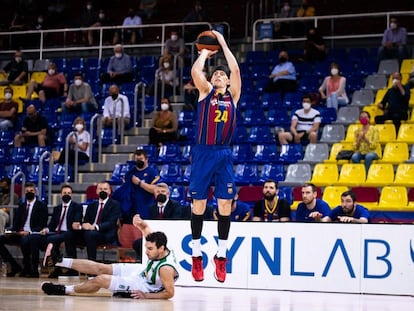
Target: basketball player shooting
(212,161)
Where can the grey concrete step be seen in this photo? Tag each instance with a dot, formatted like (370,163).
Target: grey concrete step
(119,149)
(136,140)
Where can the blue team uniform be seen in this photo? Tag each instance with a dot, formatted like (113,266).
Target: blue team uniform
(211,157)
(360,211)
(302,212)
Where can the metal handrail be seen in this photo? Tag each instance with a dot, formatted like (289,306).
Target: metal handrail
(98,117)
(139,85)
(115,123)
(49,180)
(12,183)
(76,164)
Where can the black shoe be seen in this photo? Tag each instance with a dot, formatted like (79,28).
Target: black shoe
(53,289)
(122,294)
(13,272)
(24,273)
(51,257)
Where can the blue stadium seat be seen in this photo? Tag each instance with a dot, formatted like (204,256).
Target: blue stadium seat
(186,174)
(259,71)
(67,119)
(357,54)
(271,100)
(246,174)
(20,155)
(286,193)
(4,155)
(278,117)
(178,193)
(242,153)
(328,114)
(247,101)
(6,137)
(292,100)
(186,135)
(241,135)
(261,134)
(60,138)
(260,84)
(106,136)
(169,153)
(151,151)
(92,63)
(255,57)
(186,154)
(74,65)
(58,174)
(118,173)
(171,173)
(273,57)
(61,65)
(303,69)
(2,171)
(265,153)
(273,171)
(254,117)
(13,169)
(186,118)
(36,154)
(290,153)
(337,55)
(308,84)
(33,173)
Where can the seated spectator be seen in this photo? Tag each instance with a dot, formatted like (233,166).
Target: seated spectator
(148,8)
(395,102)
(333,89)
(18,22)
(315,48)
(116,109)
(311,207)
(80,97)
(163,208)
(394,42)
(284,29)
(271,208)
(130,35)
(164,125)
(175,47)
(53,85)
(119,67)
(16,70)
(304,10)
(304,126)
(66,217)
(88,17)
(196,15)
(136,194)
(283,76)
(5,200)
(167,79)
(349,211)
(83,140)
(8,110)
(30,216)
(366,140)
(240,211)
(100,223)
(34,130)
(40,23)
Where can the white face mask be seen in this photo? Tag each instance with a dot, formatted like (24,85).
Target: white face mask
(166,65)
(79,127)
(118,55)
(395,81)
(334,71)
(101,16)
(174,37)
(88,6)
(51,72)
(393,26)
(306,106)
(286,7)
(18,59)
(8,95)
(78,82)
(164,107)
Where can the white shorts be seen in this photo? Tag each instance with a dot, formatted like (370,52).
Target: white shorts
(126,276)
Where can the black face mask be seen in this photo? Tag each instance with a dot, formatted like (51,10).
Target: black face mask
(103,195)
(282,59)
(139,163)
(30,196)
(114,96)
(161,198)
(66,198)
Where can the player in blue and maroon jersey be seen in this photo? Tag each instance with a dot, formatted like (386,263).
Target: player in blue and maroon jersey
(211,159)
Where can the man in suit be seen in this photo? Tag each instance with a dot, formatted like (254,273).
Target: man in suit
(66,217)
(163,208)
(31,217)
(100,221)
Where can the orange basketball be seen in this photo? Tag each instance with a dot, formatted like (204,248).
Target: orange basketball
(207,40)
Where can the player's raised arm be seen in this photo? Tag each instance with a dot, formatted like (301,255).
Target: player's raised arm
(141,225)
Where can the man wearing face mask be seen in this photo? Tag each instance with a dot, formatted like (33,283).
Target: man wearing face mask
(136,194)
(115,106)
(8,110)
(53,85)
(394,42)
(131,35)
(34,130)
(283,76)
(175,47)
(80,97)
(99,224)
(304,126)
(366,140)
(16,70)
(66,217)
(164,125)
(30,218)
(395,102)
(119,68)
(5,201)
(164,208)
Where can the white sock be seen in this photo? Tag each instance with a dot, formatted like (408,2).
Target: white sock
(196,248)
(65,263)
(222,249)
(69,289)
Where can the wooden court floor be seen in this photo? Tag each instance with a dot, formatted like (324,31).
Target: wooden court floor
(22,294)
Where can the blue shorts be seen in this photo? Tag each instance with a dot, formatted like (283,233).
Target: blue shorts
(211,166)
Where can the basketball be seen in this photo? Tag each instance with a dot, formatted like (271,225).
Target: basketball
(207,40)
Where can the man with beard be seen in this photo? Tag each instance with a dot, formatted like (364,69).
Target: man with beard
(349,211)
(271,207)
(311,208)
(136,194)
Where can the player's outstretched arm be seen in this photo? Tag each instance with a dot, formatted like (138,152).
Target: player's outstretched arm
(141,225)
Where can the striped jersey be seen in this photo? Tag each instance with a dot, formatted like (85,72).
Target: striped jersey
(216,119)
(306,120)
